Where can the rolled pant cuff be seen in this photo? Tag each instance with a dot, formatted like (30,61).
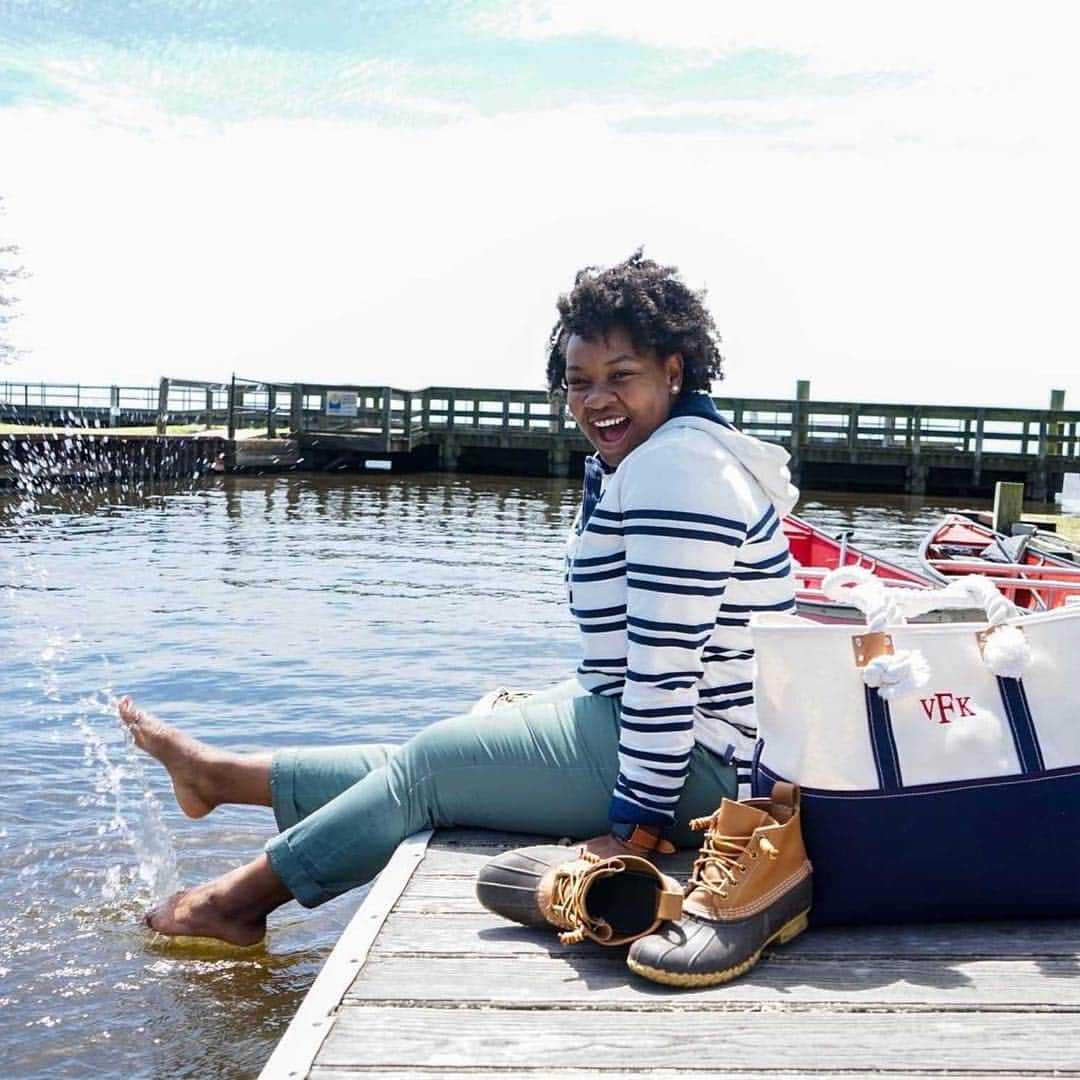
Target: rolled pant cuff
(297,878)
(283,789)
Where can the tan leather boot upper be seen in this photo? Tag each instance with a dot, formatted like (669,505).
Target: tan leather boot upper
(563,896)
(753,853)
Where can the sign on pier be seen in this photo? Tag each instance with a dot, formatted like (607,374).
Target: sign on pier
(341,403)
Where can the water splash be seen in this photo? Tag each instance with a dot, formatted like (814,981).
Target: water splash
(129,814)
(137,820)
(117,781)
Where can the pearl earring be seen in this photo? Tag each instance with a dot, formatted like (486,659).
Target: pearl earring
(675,388)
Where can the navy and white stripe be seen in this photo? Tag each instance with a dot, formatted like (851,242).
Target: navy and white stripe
(671,555)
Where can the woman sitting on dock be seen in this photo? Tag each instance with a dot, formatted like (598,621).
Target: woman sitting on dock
(678,541)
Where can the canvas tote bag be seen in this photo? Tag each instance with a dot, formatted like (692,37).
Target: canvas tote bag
(939,763)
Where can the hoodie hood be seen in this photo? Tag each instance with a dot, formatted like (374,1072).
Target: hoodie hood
(766,462)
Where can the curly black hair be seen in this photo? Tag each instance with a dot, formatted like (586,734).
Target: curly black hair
(652,304)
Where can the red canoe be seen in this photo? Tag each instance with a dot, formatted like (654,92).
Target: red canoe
(1032,578)
(814,553)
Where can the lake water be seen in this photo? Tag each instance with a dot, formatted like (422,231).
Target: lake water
(257,613)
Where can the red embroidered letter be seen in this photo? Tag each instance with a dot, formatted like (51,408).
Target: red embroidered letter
(963,703)
(927,704)
(945,706)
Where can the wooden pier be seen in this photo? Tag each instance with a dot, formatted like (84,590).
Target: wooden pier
(424,983)
(835,445)
(852,446)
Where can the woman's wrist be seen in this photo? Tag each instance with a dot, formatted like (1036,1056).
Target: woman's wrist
(646,838)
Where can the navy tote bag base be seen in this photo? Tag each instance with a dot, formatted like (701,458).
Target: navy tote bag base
(957,799)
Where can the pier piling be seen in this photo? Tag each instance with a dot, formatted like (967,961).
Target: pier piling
(1008,506)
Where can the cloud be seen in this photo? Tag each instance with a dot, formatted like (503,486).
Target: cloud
(681,120)
(823,77)
(20,86)
(357,252)
(220,82)
(829,35)
(887,212)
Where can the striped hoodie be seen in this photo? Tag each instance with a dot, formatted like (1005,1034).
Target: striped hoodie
(669,556)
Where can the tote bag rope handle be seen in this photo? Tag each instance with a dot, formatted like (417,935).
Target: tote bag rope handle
(884,606)
(1004,649)
(888,672)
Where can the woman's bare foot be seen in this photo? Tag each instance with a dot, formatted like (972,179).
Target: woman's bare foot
(190,763)
(231,908)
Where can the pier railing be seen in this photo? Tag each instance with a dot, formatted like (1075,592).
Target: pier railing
(792,422)
(75,396)
(76,404)
(907,443)
(388,411)
(391,412)
(914,448)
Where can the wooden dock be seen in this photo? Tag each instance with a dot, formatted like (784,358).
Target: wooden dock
(834,445)
(961,450)
(424,983)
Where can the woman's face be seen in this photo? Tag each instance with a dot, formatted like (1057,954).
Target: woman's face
(619,397)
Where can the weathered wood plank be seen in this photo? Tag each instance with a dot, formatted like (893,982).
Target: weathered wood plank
(467,861)
(783,982)
(440,897)
(448,897)
(451,990)
(454,894)
(468,1072)
(694,1040)
(477,932)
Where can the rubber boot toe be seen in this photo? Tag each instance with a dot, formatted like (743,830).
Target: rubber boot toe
(508,885)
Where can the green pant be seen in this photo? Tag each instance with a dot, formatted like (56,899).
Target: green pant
(546,765)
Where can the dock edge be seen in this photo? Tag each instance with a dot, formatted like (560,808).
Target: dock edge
(297,1049)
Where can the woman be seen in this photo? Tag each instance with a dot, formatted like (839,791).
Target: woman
(678,541)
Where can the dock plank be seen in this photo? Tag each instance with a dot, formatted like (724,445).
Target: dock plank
(589,981)
(478,933)
(345,1072)
(693,1040)
(466,861)
(448,989)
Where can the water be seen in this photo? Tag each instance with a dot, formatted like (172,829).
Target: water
(258,613)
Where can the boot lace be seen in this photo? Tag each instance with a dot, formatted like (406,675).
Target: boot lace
(723,856)
(568,898)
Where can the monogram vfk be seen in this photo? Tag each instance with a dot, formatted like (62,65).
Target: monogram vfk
(944,704)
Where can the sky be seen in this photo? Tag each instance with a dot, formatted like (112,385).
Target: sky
(879,197)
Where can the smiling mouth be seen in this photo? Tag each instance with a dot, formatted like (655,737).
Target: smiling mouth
(611,430)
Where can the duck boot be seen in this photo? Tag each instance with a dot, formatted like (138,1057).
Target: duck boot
(750,887)
(611,901)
